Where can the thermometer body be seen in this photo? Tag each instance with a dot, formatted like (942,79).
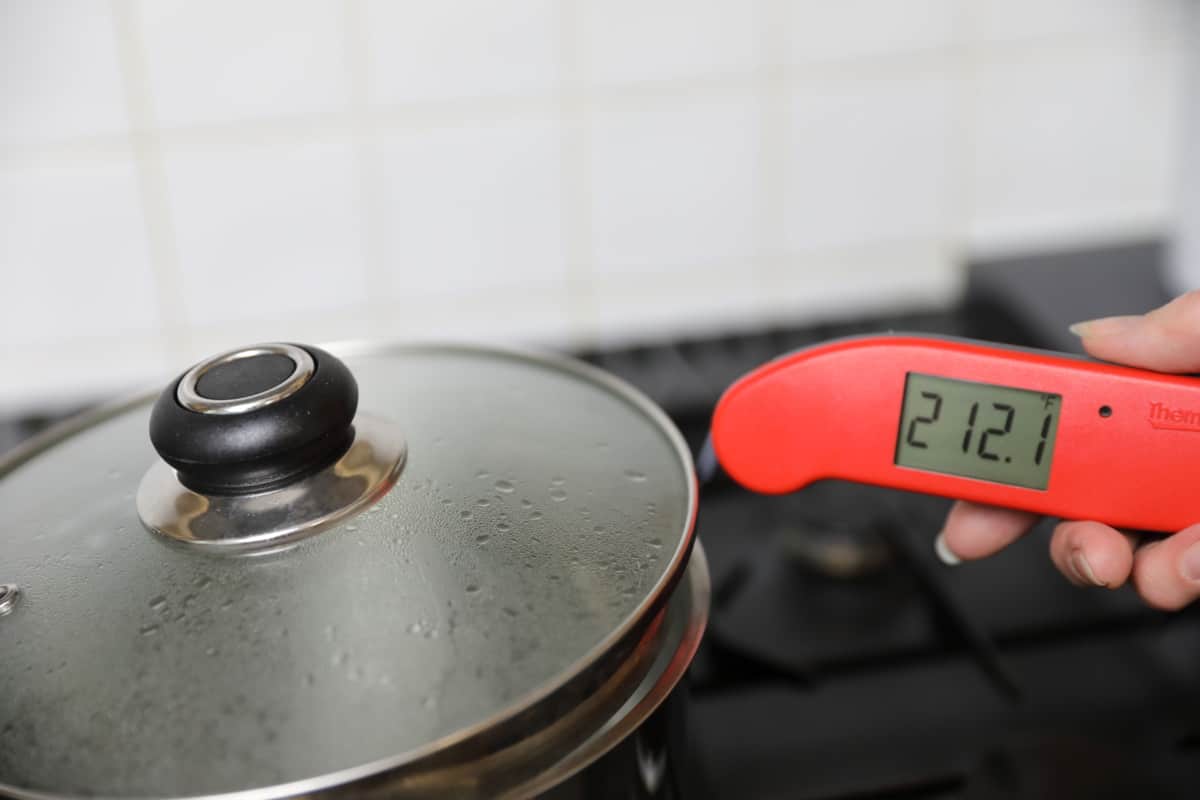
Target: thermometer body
(1032,430)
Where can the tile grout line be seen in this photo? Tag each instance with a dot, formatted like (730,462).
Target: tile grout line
(377,283)
(573,122)
(965,80)
(467,111)
(775,134)
(151,178)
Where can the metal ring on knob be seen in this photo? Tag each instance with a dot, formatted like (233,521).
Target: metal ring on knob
(190,399)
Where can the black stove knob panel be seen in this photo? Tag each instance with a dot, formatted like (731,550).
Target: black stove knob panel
(255,418)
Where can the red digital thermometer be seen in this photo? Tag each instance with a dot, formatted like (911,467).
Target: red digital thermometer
(1025,429)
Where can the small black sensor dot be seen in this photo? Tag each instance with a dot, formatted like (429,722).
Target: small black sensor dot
(1105,411)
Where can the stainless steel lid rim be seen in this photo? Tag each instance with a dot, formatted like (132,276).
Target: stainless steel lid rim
(572,683)
(389,778)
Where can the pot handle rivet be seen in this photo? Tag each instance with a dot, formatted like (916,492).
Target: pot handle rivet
(9,592)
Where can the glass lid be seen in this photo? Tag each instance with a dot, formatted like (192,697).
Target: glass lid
(488,527)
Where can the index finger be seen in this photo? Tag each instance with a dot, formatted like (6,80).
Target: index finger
(975,531)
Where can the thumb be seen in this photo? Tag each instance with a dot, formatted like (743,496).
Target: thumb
(1164,340)
(1167,572)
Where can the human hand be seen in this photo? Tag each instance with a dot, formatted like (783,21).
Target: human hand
(1165,572)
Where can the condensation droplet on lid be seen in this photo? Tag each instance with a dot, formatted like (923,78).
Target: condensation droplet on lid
(635,476)
(512,612)
(309,679)
(536,515)
(202,582)
(483,501)
(483,473)
(599,529)
(211,651)
(351,527)
(653,542)
(483,537)
(505,487)
(558,495)
(446,501)
(466,514)
(526,504)
(429,702)
(503,526)
(158,603)
(558,480)
(148,630)
(472,588)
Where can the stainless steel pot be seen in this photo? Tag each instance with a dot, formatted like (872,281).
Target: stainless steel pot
(402,571)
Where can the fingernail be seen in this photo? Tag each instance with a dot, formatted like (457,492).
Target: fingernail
(944,553)
(1105,326)
(1189,565)
(1083,570)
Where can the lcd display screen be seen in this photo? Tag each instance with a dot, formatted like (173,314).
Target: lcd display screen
(978,430)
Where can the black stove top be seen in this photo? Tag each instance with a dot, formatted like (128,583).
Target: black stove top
(844,660)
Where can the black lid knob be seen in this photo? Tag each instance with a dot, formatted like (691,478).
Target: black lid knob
(255,418)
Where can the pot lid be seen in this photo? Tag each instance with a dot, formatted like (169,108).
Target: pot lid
(325,579)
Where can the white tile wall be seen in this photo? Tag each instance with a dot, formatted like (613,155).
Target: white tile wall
(849,29)
(196,175)
(633,41)
(59,78)
(472,207)
(421,51)
(225,60)
(1079,143)
(673,184)
(846,182)
(266,231)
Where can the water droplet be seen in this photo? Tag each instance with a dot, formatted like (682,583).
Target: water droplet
(396,515)
(188,600)
(483,501)
(211,651)
(446,501)
(202,582)
(309,679)
(512,612)
(483,473)
(654,542)
(558,495)
(158,603)
(340,658)
(536,515)
(505,487)
(558,480)
(482,538)
(429,702)
(599,529)
(526,504)
(472,588)
(414,628)
(503,526)
(635,476)
(148,630)
(466,513)
(351,527)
